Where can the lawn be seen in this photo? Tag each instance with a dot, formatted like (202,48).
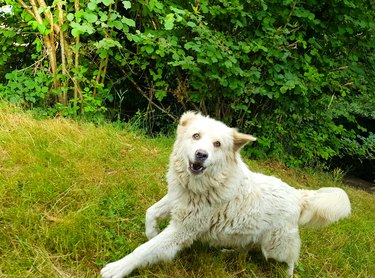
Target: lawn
(73,197)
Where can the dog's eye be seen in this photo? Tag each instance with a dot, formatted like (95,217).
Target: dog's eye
(217,144)
(196,136)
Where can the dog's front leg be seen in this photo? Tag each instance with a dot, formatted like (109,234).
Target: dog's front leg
(163,247)
(159,210)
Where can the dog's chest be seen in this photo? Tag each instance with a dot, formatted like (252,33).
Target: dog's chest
(227,224)
(234,226)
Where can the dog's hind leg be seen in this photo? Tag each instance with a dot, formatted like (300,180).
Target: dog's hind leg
(159,210)
(162,247)
(283,245)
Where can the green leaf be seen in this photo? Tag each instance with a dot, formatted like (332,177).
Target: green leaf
(283,89)
(168,25)
(38,45)
(103,16)
(108,2)
(43,29)
(160,52)
(228,64)
(91,6)
(159,5)
(169,21)
(70,16)
(191,24)
(127,4)
(160,95)
(149,49)
(128,22)
(107,43)
(117,24)
(75,33)
(91,17)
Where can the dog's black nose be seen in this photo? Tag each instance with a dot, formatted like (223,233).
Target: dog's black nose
(201,155)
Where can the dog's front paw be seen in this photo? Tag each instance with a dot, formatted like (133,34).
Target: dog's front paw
(118,269)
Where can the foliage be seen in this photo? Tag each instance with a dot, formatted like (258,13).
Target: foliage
(282,70)
(27,88)
(61,32)
(73,197)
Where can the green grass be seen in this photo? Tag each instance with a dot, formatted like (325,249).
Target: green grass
(73,197)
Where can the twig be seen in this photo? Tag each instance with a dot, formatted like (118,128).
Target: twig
(150,100)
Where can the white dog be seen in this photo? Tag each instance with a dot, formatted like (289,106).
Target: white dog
(214,197)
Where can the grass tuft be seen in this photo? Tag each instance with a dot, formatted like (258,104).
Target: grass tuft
(73,197)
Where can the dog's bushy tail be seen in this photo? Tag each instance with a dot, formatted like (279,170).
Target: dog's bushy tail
(324,206)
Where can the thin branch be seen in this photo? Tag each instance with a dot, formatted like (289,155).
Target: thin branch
(35,7)
(150,100)
(49,44)
(47,13)
(97,79)
(26,7)
(64,96)
(291,12)
(77,88)
(105,68)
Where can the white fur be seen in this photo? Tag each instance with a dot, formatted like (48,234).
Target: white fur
(227,205)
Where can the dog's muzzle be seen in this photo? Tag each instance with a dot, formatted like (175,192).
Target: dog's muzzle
(197,167)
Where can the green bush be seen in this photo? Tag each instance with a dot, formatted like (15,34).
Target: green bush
(26,88)
(282,70)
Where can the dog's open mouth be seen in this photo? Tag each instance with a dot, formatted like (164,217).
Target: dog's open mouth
(196,167)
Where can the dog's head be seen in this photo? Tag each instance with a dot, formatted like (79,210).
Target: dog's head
(204,144)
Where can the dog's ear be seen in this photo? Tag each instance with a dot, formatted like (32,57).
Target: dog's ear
(241,139)
(187,117)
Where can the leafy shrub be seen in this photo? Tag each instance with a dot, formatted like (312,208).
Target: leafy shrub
(26,88)
(282,70)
